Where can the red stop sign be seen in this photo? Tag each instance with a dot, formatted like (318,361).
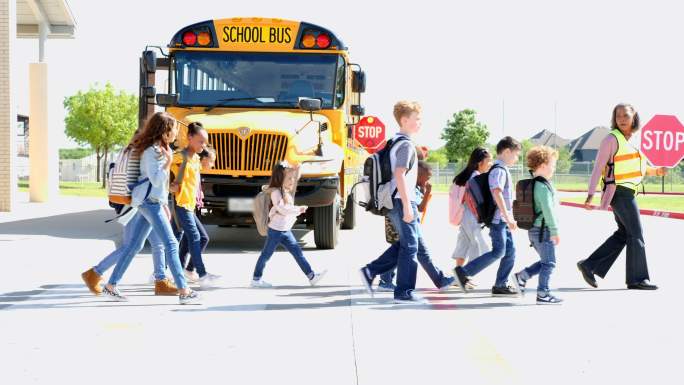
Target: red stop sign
(370,133)
(662,141)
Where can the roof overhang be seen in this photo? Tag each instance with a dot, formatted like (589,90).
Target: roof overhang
(54,15)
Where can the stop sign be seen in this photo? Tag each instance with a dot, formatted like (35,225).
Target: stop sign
(662,141)
(370,133)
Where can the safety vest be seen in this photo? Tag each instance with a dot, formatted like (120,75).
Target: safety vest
(628,167)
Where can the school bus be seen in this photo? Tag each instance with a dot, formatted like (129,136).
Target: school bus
(266,90)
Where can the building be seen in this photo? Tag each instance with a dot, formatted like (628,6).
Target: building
(585,148)
(548,138)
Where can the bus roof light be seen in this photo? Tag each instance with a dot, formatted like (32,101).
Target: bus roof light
(323,41)
(204,38)
(308,41)
(189,38)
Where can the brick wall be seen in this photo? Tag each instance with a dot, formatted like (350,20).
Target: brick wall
(7,115)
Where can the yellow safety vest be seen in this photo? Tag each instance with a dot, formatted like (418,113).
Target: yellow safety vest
(628,167)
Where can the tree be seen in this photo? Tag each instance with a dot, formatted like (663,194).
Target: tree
(463,134)
(74,153)
(101,119)
(564,160)
(438,156)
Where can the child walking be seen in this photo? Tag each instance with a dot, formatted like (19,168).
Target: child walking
(282,217)
(471,242)
(544,236)
(503,249)
(184,200)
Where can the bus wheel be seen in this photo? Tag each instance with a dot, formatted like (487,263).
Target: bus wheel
(327,225)
(349,213)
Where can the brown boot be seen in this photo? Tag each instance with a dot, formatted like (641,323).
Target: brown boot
(92,280)
(165,287)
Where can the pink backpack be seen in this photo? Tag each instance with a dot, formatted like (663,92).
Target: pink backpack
(456,207)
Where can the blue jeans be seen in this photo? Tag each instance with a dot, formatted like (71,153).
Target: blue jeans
(287,239)
(155,244)
(629,234)
(155,218)
(547,259)
(502,248)
(387,277)
(402,254)
(183,248)
(191,233)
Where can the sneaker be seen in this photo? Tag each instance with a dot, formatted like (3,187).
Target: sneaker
(461,279)
(506,291)
(519,282)
(208,280)
(114,294)
(412,298)
(449,282)
(165,287)
(471,285)
(191,276)
(260,284)
(367,280)
(317,277)
(92,281)
(386,287)
(548,299)
(190,299)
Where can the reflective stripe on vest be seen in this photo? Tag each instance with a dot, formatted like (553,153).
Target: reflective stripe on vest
(629,164)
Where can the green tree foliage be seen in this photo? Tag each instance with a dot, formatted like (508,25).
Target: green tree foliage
(74,153)
(463,134)
(102,119)
(438,156)
(564,160)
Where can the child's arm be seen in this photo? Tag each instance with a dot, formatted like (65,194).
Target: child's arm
(403,189)
(547,208)
(426,197)
(501,205)
(280,207)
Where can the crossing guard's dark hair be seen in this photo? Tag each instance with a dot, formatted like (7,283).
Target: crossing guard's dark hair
(636,123)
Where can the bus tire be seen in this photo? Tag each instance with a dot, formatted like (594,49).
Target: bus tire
(327,225)
(349,213)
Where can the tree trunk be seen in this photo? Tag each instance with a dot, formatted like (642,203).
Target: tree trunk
(99,157)
(104,167)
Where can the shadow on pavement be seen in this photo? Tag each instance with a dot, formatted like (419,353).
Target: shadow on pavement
(83,225)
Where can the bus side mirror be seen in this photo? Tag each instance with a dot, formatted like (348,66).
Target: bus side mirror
(149,91)
(358,81)
(150,61)
(358,110)
(166,100)
(309,105)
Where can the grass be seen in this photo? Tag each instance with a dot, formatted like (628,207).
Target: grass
(90,189)
(651,202)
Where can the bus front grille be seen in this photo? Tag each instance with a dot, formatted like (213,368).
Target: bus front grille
(253,156)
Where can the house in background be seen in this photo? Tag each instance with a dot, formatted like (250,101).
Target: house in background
(548,138)
(585,148)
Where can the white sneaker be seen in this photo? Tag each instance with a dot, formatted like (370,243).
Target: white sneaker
(317,277)
(209,280)
(260,284)
(412,299)
(191,299)
(190,276)
(114,294)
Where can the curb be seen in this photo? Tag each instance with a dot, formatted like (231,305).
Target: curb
(647,193)
(652,213)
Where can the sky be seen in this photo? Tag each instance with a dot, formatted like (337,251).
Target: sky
(523,66)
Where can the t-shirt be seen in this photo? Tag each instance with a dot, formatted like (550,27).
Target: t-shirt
(402,155)
(186,197)
(500,177)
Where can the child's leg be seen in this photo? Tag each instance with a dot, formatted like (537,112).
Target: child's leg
(204,237)
(187,221)
(547,254)
(272,241)
(497,232)
(435,274)
(388,277)
(507,262)
(288,240)
(158,257)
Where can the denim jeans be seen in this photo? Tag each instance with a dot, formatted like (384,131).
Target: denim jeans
(155,217)
(183,248)
(402,254)
(287,239)
(189,231)
(547,259)
(388,277)
(629,234)
(128,233)
(502,248)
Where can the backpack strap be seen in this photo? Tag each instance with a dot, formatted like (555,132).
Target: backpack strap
(120,215)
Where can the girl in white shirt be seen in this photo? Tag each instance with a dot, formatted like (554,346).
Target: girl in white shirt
(282,217)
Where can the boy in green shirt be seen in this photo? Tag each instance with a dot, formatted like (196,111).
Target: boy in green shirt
(544,235)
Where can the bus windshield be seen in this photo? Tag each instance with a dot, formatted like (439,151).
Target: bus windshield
(236,79)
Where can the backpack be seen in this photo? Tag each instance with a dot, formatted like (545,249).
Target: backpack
(524,211)
(123,178)
(456,203)
(262,207)
(377,175)
(479,197)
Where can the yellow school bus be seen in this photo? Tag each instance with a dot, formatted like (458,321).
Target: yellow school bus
(266,90)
